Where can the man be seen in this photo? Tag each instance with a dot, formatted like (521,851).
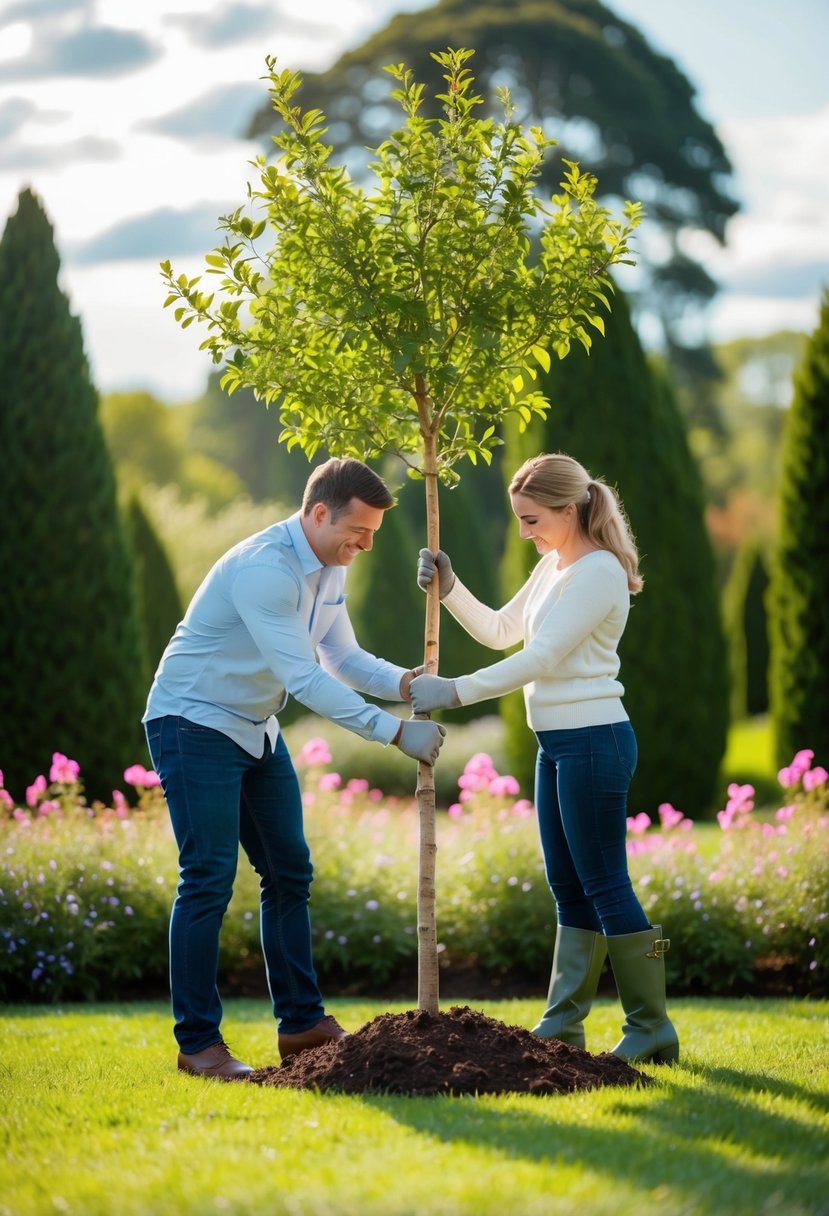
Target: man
(269,620)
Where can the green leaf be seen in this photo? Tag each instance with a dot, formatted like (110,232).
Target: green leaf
(542,357)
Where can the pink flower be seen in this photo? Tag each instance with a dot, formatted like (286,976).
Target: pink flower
(315,752)
(785,813)
(6,800)
(814,778)
(800,764)
(119,804)
(141,778)
(740,798)
(35,791)
(472,781)
(47,806)
(504,785)
(639,823)
(670,816)
(330,781)
(455,811)
(21,816)
(63,770)
(523,808)
(480,763)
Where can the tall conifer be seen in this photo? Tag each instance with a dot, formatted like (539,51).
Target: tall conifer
(69,629)
(799,592)
(160,606)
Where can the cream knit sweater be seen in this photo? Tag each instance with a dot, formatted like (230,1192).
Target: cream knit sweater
(570,622)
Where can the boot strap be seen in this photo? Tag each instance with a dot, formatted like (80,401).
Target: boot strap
(661,945)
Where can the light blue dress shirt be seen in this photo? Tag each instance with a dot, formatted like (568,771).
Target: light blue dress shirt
(269,620)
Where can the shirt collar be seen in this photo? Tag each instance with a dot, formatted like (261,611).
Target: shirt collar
(307,557)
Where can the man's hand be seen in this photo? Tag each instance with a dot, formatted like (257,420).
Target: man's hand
(405,695)
(433,692)
(429,564)
(420,740)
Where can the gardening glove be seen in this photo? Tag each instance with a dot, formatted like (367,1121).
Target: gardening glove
(421,740)
(438,563)
(433,692)
(407,679)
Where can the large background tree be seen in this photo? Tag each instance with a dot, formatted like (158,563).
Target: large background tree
(69,630)
(799,592)
(620,419)
(624,111)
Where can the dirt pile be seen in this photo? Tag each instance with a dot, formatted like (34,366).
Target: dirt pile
(456,1052)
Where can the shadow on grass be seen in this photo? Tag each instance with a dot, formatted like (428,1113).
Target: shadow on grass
(711,1146)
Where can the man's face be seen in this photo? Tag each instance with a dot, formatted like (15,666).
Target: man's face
(337,542)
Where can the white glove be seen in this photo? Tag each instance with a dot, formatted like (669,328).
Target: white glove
(433,692)
(429,564)
(421,740)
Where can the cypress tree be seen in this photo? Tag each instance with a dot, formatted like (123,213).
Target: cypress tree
(746,625)
(69,628)
(160,606)
(799,590)
(621,421)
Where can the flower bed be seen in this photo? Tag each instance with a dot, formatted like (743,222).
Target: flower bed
(85,891)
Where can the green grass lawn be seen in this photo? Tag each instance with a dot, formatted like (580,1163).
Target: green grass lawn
(97,1120)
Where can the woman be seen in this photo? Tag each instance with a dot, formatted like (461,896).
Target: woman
(570,615)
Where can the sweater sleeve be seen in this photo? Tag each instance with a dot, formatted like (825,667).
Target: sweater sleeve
(498,628)
(575,609)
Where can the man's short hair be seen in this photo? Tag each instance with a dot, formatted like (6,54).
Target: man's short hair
(337,481)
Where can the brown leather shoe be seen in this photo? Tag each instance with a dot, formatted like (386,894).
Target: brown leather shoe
(215,1061)
(327,1030)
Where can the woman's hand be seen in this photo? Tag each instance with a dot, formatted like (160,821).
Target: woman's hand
(433,692)
(430,564)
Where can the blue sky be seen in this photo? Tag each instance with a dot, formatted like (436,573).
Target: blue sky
(124,117)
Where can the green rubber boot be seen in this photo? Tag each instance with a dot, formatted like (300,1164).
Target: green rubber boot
(578,959)
(638,963)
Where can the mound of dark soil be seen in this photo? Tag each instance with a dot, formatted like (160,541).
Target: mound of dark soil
(457,1052)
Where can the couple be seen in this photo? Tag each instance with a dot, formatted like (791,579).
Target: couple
(270,620)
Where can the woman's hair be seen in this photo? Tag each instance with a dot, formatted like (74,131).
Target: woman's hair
(557,480)
(337,481)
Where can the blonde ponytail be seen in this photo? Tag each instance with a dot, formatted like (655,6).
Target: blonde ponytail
(557,480)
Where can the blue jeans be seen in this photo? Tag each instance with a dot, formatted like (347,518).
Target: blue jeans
(220,796)
(581,786)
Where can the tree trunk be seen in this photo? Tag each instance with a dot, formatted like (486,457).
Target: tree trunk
(427,945)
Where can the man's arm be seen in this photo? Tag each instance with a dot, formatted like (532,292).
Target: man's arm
(342,656)
(267,600)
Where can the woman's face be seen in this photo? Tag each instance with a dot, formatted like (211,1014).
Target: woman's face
(547,527)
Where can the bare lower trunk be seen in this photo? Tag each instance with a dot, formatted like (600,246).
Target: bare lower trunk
(427,945)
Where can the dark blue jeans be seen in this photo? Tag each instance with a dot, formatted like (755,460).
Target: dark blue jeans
(220,796)
(581,786)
